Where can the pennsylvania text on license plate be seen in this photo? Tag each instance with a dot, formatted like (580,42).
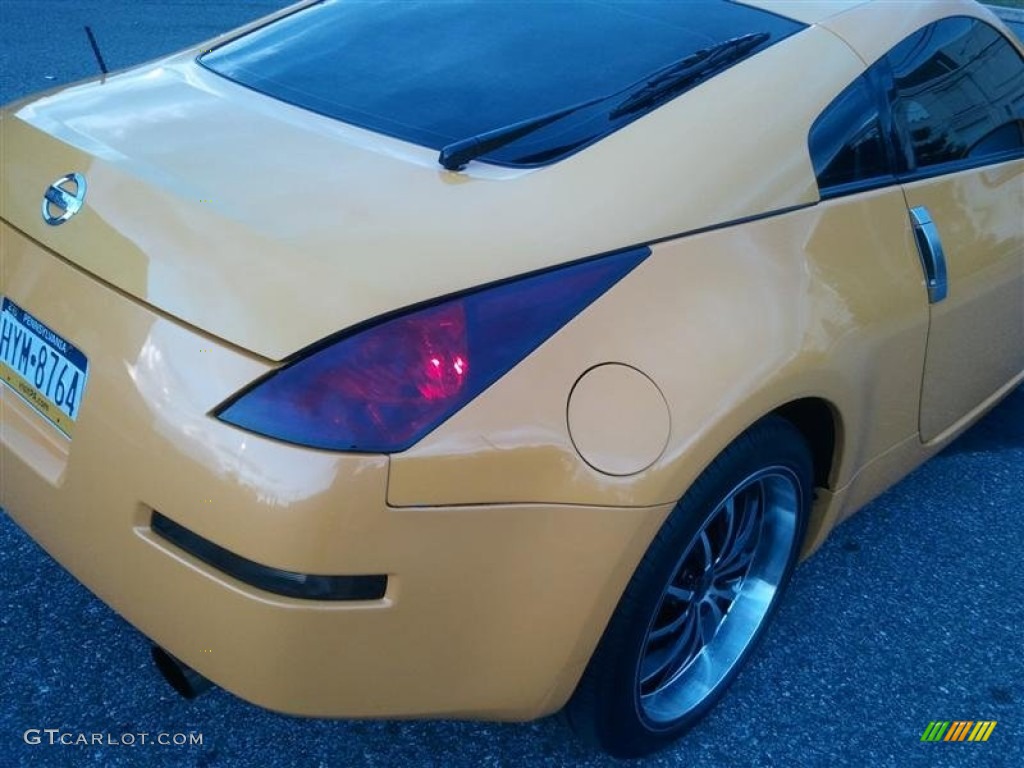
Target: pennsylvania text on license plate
(46,370)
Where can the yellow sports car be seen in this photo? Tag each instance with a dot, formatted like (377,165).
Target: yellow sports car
(481,359)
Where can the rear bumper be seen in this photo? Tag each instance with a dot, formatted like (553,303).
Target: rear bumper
(489,611)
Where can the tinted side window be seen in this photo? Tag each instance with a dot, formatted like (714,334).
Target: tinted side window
(959,93)
(846,141)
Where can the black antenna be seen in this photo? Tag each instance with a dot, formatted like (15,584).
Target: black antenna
(96,50)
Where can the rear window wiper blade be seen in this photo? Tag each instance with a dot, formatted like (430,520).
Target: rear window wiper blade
(660,85)
(454,156)
(701,64)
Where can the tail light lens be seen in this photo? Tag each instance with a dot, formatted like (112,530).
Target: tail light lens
(383,387)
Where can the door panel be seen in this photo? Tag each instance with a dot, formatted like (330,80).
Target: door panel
(957,105)
(976,336)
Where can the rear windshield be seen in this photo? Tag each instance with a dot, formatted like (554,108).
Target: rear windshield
(439,71)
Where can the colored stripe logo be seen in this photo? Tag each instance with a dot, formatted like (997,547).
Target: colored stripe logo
(958,730)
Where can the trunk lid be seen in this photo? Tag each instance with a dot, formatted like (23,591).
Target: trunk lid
(260,223)
(271,227)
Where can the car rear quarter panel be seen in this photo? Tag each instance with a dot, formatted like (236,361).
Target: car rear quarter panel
(823,301)
(827,301)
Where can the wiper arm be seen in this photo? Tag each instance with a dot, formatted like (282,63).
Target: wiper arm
(675,77)
(454,156)
(659,86)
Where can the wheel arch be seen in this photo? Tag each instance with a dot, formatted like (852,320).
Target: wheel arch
(820,422)
(817,417)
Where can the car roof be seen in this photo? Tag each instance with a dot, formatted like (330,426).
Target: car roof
(806,11)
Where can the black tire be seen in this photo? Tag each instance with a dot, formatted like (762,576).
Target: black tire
(611,708)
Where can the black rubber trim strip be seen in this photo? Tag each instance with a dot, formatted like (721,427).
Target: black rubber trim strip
(288,583)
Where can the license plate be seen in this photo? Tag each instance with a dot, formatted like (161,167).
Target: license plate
(44,368)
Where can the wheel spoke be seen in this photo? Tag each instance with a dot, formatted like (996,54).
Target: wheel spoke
(709,624)
(750,517)
(680,594)
(669,629)
(705,543)
(651,668)
(736,567)
(729,512)
(728,592)
(657,665)
(689,647)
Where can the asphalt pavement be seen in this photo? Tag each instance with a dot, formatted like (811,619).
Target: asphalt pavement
(912,612)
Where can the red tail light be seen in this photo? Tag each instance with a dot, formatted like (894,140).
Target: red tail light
(384,387)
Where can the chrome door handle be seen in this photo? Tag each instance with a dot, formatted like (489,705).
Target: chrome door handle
(933,259)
